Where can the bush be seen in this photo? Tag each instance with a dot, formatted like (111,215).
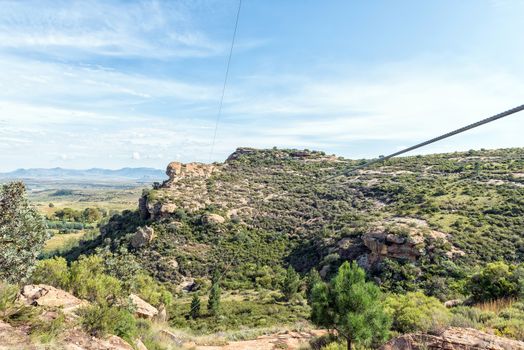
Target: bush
(10,310)
(47,331)
(89,281)
(415,312)
(100,320)
(52,271)
(22,232)
(495,281)
(151,291)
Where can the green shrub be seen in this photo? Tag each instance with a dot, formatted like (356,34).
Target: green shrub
(10,310)
(22,233)
(101,320)
(46,331)
(89,281)
(495,281)
(415,312)
(151,291)
(53,272)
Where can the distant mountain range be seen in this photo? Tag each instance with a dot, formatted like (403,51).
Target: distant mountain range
(93,174)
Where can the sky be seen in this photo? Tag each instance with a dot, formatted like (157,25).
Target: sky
(117,84)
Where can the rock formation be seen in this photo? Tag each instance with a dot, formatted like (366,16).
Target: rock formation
(453,339)
(177,170)
(143,236)
(49,296)
(143,309)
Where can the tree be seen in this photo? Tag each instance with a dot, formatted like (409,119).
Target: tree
(213,304)
(22,233)
(291,283)
(496,280)
(194,311)
(351,306)
(312,279)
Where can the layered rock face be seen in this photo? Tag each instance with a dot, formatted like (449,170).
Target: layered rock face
(405,239)
(177,170)
(453,339)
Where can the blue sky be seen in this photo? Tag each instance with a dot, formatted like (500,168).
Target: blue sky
(122,83)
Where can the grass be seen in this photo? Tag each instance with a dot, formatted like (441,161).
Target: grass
(496,305)
(61,242)
(250,310)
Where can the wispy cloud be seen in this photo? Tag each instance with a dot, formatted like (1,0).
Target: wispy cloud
(71,28)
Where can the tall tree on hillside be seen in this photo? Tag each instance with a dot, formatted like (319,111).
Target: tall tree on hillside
(194,311)
(213,304)
(351,306)
(291,283)
(312,279)
(22,233)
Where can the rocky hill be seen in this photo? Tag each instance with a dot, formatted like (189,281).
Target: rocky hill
(422,221)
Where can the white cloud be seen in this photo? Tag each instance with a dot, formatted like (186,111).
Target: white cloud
(136,156)
(147,29)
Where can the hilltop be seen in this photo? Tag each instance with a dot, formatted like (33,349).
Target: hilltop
(421,222)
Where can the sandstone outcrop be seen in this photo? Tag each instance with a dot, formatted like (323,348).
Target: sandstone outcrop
(143,308)
(44,295)
(453,339)
(401,238)
(143,236)
(177,170)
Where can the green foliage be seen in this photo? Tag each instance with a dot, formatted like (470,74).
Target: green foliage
(291,283)
(45,331)
(312,279)
(100,320)
(496,280)
(352,306)
(213,304)
(53,272)
(88,280)
(151,291)
(12,311)
(416,312)
(194,308)
(22,233)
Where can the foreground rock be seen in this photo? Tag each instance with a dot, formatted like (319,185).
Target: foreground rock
(45,295)
(453,339)
(143,308)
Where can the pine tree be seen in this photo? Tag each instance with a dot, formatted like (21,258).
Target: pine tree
(352,306)
(213,304)
(194,311)
(291,283)
(312,279)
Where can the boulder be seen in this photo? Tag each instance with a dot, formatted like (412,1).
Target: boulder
(213,219)
(143,236)
(453,338)
(188,284)
(44,295)
(143,308)
(162,314)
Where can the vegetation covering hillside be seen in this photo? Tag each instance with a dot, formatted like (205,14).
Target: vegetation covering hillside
(455,211)
(263,240)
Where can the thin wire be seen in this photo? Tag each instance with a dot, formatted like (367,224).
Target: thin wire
(435,139)
(225,82)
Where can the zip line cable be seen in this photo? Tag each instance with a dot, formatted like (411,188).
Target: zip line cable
(433,140)
(233,259)
(225,82)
